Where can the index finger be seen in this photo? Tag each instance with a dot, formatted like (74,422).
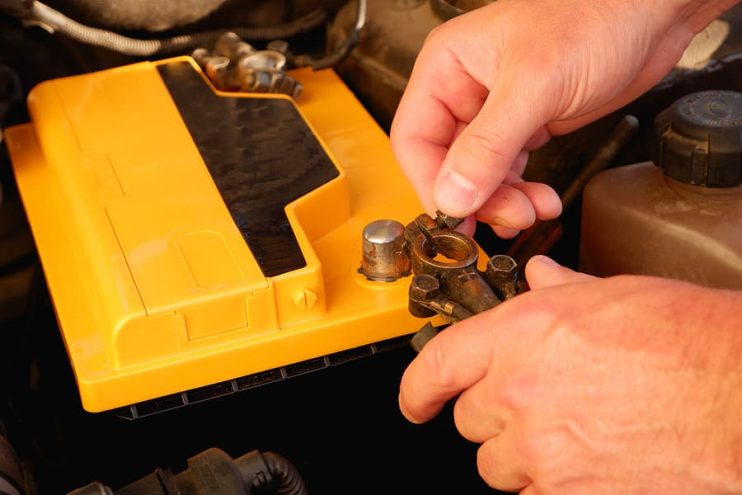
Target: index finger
(463,354)
(440,98)
(451,362)
(459,357)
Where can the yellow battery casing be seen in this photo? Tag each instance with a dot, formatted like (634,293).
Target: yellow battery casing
(154,287)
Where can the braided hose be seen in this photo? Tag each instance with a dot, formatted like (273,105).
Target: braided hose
(58,22)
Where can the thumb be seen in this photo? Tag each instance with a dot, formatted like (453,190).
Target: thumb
(481,156)
(542,272)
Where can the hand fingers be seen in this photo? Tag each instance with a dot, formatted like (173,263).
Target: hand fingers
(542,272)
(516,206)
(459,357)
(501,465)
(657,66)
(519,164)
(476,414)
(540,138)
(452,361)
(439,96)
(483,153)
(505,232)
(508,207)
(468,226)
(420,151)
(545,200)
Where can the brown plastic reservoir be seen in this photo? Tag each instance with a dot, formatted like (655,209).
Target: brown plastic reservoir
(681,215)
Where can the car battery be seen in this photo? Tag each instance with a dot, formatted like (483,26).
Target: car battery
(196,243)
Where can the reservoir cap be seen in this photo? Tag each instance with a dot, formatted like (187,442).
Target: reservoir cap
(699,139)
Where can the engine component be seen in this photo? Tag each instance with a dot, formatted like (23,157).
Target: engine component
(343,49)
(450,258)
(447,281)
(235,65)
(699,139)
(192,238)
(685,206)
(213,472)
(35,12)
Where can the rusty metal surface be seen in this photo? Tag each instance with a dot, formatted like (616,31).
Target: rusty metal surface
(235,65)
(384,257)
(446,279)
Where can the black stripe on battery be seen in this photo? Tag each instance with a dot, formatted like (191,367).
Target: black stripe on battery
(262,156)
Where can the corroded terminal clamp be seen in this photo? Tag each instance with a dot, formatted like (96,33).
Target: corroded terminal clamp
(446,279)
(235,65)
(443,261)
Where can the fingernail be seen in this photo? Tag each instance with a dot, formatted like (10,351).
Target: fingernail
(455,194)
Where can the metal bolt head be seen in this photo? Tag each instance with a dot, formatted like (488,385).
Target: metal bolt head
(424,287)
(502,268)
(200,55)
(217,70)
(264,60)
(447,222)
(426,224)
(231,46)
(279,46)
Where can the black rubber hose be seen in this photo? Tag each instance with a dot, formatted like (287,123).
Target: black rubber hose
(11,475)
(285,475)
(56,21)
(343,50)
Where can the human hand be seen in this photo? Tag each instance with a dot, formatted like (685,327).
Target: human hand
(627,385)
(497,82)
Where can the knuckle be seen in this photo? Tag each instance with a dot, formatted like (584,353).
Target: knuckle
(459,418)
(484,145)
(462,421)
(517,392)
(486,466)
(532,450)
(434,35)
(435,362)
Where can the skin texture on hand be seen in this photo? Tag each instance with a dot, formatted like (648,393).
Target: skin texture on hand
(626,385)
(497,82)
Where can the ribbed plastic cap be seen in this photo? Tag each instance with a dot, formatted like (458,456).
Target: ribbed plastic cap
(699,139)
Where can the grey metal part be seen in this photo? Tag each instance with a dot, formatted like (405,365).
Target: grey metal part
(384,257)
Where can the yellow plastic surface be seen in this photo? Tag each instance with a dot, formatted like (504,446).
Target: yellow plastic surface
(155,290)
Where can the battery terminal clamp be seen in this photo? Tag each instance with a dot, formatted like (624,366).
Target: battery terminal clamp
(444,263)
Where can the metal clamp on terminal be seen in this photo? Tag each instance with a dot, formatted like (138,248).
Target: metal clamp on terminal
(446,279)
(443,261)
(235,65)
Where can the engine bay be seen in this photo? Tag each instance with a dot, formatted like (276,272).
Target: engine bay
(170,314)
